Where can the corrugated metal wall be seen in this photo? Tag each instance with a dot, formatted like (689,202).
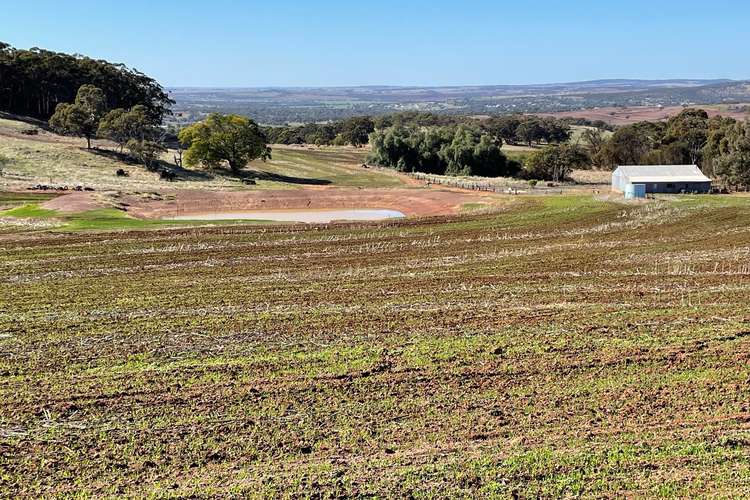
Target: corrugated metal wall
(617,181)
(635,191)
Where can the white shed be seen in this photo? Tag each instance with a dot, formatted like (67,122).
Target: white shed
(661,178)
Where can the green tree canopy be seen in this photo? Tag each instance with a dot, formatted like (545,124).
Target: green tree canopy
(555,163)
(112,126)
(733,167)
(595,141)
(81,118)
(721,132)
(530,130)
(689,127)
(504,128)
(33,82)
(356,131)
(120,125)
(224,139)
(629,144)
(135,129)
(451,150)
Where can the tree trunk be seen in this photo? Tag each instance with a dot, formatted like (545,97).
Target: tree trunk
(88,142)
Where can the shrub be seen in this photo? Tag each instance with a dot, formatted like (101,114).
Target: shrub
(450,150)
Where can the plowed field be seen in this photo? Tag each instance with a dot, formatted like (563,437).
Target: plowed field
(561,346)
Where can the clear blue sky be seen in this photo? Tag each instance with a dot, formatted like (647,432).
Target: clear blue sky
(347,42)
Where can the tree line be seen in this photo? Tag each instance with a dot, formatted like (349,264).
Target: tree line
(445,144)
(470,146)
(355,131)
(720,146)
(352,131)
(449,144)
(468,150)
(34,81)
(512,129)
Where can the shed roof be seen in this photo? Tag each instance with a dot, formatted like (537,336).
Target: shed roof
(662,173)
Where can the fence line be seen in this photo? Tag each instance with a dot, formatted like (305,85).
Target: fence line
(484,185)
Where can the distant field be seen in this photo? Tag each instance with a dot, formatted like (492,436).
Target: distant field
(558,347)
(628,115)
(577,131)
(305,105)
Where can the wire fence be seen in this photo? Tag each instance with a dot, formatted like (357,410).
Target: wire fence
(498,185)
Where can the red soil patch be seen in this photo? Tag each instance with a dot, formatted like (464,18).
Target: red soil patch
(74,202)
(625,116)
(411,202)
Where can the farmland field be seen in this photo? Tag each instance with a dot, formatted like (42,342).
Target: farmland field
(560,346)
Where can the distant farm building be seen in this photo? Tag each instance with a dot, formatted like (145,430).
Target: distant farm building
(634,181)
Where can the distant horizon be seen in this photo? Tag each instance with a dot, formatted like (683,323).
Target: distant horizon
(474,85)
(421,43)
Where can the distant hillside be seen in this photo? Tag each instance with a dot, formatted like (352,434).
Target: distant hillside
(306,104)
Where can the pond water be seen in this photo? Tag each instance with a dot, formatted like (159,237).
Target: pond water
(311,215)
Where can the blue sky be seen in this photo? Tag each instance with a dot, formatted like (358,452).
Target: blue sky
(332,42)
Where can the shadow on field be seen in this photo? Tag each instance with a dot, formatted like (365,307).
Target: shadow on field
(167,171)
(175,173)
(112,155)
(25,119)
(172,172)
(270,176)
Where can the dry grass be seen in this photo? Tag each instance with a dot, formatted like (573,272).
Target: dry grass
(601,177)
(50,159)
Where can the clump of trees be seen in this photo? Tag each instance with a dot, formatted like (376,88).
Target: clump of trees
(465,146)
(555,163)
(218,140)
(450,150)
(33,82)
(680,140)
(529,130)
(421,119)
(136,130)
(732,163)
(224,140)
(585,122)
(352,131)
(81,118)
(90,98)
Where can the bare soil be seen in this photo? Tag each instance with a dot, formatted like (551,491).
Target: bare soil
(76,202)
(411,202)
